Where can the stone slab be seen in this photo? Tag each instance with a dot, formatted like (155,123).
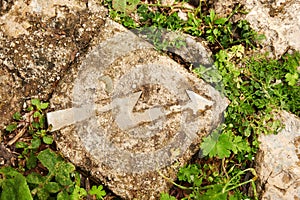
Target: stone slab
(279,21)
(148,122)
(278,161)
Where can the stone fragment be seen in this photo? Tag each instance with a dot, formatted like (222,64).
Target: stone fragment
(50,9)
(12,22)
(279,21)
(278,161)
(142,119)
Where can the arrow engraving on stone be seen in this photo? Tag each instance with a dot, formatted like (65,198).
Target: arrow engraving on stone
(125,118)
(62,118)
(197,102)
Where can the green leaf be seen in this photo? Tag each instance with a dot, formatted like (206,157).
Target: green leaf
(48,139)
(240,145)
(216,32)
(49,159)
(78,193)
(212,15)
(125,6)
(30,108)
(21,145)
(44,106)
(76,176)
(215,193)
(98,191)
(14,185)
(31,161)
(63,173)
(52,187)
(220,21)
(188,173)
(35,143)
(42,121)
(43,194)
(63,195)
(17,116)
(209,143)
(35,102)
(217,145)
(35,178)
(10,128)
(35,125)
(292,78)
(37,114)
(222,148)
(210,38)
(165,196)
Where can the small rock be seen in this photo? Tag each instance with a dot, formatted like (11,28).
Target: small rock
(148,114)
(278,21)
(278,165)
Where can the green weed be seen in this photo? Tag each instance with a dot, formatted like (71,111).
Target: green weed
(208,182)
(45,174)
(220,32)
(256,87)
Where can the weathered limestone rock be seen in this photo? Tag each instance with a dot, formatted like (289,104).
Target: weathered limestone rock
(279,21)
(38,45)
(138,114)
(278,161)
(40,42)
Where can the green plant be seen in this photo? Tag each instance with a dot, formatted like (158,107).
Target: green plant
(255,94)
(61,182)
(162,39)
(222,145)
(46,175)
(257,87)
(98,191)
(220,32)
(13,185)
(208,182)
(165,196)
(33,123)
(124,6)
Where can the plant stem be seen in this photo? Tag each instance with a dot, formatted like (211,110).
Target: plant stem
(183,187)
(238,174)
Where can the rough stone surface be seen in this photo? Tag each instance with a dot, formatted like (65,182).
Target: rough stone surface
(42,45)
(279,21)
(40,41)
(129,159)
(278,162)
(38,45)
